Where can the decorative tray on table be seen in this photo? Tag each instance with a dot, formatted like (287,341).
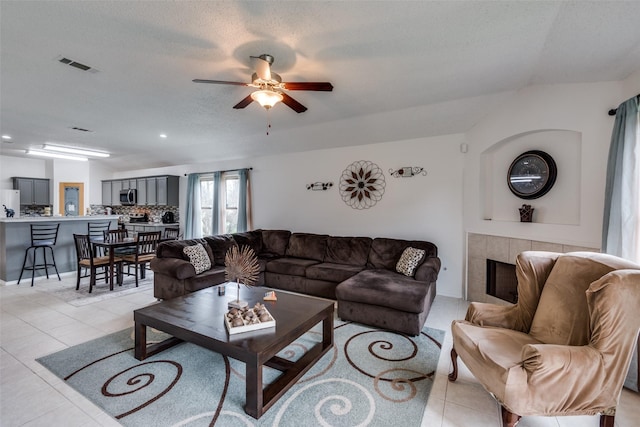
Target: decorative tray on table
(246,319)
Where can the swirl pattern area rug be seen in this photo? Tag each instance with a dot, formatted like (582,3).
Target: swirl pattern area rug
(370,377)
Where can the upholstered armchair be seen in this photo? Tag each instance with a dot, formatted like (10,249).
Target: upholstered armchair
(565,347)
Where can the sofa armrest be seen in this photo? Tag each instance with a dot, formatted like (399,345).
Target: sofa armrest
(428,270)
(564,360)
(174,267)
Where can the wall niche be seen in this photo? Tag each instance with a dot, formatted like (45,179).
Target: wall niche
(561,205)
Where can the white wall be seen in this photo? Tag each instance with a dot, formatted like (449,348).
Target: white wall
(21,166)
(422,207)
(581,108)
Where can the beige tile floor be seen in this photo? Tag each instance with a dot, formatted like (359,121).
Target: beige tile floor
(33,324)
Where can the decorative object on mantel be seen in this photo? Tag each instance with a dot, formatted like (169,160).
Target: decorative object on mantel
(362,184)
(526,213)
(408,172)
(532,174)
(316,186)
(241,266)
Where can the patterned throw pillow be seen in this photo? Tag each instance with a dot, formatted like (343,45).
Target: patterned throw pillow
(409,260)
(198,257)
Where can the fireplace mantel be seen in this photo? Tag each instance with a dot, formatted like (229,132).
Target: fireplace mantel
(481,247)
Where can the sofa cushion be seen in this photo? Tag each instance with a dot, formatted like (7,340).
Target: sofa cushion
(253,239)
(290,266)
(332,272)
(175,248)
(209,278)
(220,244)
(385,253)
(198,257)
(348,250)
(384,288)
(410,259)
(563,316)
(309,246)
(275,241)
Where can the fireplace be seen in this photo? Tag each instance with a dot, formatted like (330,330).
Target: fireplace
(502,281)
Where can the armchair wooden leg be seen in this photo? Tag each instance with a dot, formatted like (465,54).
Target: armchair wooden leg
(509,419)
(607,420)
(454,359)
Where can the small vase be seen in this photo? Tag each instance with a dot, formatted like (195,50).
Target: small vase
(526,213)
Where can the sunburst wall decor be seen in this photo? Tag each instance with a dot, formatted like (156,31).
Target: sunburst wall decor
(362,184)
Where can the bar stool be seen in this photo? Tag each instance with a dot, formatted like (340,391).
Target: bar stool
(43,236)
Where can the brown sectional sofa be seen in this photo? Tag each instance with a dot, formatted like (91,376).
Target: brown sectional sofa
(360,272)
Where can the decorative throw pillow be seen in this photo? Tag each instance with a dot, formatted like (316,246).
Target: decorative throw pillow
(198,257)
(409,260)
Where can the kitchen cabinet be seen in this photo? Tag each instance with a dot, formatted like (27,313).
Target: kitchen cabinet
(106,193)
(141,186)
(116,186)
(33,191)
(151,191)
(161,190)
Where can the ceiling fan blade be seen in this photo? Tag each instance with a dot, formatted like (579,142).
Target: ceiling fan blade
(319,86)
(220,82)
(246,101)
(293,104)
(263,68)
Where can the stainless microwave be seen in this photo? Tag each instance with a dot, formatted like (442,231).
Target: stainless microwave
(128,197)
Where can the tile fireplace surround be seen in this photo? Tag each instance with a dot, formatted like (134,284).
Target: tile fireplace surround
(481,247)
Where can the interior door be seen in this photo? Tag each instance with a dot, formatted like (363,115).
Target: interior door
(71,198)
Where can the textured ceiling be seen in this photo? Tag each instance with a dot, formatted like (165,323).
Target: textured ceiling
(400,70)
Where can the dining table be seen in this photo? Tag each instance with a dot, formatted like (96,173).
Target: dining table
(111,245)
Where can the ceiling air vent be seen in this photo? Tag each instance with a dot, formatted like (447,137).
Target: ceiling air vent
(76,64)
(81,129)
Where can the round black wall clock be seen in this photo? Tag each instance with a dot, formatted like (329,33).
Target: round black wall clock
(532,174)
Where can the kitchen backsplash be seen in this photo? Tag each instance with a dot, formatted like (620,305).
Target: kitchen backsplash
(152,211)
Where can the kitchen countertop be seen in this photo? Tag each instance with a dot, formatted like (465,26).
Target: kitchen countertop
(151,224)
(59,218)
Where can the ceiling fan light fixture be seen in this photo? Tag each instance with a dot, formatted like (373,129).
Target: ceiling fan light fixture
(267,98)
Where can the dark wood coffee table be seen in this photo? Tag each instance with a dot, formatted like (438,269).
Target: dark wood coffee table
(198,318)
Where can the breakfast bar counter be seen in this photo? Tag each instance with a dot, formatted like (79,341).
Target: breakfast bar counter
(15,238)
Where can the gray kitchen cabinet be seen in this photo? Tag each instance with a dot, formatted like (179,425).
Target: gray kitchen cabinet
(141,186)
(161,190)
(33,191)
(116,186)
(151,191)
(106,193)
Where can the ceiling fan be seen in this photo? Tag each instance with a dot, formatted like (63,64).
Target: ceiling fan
(271,87)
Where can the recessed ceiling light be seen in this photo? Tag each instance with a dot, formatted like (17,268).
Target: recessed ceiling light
(71,150)
(55,155)
(6,137)
(163,135)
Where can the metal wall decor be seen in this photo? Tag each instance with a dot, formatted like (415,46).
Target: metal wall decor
(317,186)
(362,184)
(408,172)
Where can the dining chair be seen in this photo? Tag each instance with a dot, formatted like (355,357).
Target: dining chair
(171,233)
(145,251)
(118,234)
(43,236)
(87,260)
(95,230)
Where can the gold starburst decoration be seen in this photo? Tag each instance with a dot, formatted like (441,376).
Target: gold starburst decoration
(241,266)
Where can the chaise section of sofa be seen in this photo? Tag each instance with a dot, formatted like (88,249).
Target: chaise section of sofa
(383,297)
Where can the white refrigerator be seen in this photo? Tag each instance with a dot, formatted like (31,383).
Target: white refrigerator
(10,199)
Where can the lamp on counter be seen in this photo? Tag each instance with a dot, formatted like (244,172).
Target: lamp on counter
(267,98)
